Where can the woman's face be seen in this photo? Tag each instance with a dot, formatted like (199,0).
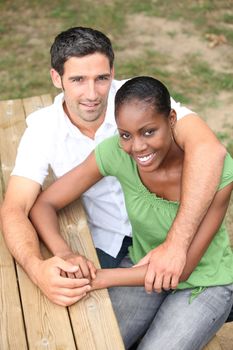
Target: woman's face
(144,134)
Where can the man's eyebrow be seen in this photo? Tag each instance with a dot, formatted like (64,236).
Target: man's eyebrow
(107,75)
(104,75)
(76,77)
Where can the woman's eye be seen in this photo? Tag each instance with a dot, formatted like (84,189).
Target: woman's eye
(149,132)
(125,136)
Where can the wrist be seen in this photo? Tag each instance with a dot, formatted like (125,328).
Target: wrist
(177,241)
(32,268)
(100,281)
(64,253)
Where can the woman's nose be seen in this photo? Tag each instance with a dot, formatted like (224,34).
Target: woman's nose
(138,144)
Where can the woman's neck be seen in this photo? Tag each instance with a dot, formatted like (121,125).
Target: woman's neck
(165,181)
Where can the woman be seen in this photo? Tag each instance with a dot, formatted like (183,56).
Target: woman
(148,163)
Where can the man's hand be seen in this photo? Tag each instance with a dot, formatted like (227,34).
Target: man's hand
(165,266)
(60,290)
(86,268)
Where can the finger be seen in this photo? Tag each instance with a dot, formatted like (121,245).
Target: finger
(158,283)
(68,301)
(65,265)
(73,293)
(166,282)
(92,269)
(84,269)
(63,273)
(174,282)
(70,283)
(149,280)
(71,275)
(78,274)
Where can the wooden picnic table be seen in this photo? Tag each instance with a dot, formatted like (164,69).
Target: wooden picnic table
(28,320)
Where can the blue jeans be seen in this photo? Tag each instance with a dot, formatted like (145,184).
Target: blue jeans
(107,261)
(167,320)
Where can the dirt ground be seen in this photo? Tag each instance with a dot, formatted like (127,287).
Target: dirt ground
(185,40)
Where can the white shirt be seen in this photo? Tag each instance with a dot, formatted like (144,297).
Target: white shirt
(50,139)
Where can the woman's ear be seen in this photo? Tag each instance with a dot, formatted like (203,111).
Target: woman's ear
(172,118)
(56,78)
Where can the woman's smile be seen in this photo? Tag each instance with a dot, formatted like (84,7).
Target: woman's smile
(144,160)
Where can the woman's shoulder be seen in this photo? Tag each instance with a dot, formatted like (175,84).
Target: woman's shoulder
(227,172)
(110,156)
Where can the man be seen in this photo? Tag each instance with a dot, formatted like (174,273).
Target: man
(62,136)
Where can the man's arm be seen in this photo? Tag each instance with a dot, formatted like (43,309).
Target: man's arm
(22,241)
(136,276)
(203,163)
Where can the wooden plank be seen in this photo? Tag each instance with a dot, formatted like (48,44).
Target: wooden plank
(12,125)
(11,319)
(213,344)
(12,329)
(47,325)
(93,319)
(34,103)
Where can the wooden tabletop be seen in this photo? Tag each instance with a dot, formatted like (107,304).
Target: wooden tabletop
(28,320)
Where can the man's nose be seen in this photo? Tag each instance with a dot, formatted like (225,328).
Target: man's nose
(91,92)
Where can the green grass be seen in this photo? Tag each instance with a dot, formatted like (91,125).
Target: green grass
(28,28)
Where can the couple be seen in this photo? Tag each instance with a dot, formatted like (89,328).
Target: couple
(81,117)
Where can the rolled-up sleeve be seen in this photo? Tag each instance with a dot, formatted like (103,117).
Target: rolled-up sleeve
(181,111)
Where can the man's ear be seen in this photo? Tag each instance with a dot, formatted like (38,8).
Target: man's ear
(112,72)
(56,78)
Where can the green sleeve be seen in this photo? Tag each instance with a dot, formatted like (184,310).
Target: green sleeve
(227,173)
(106,154)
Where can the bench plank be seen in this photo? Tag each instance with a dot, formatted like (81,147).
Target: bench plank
(213,345)
(11,316)
(93,319)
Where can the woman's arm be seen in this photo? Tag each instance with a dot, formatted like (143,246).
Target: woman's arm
(62,192)
(135,276)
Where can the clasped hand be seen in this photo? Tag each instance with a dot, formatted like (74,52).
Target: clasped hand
(64,280)
(165,266)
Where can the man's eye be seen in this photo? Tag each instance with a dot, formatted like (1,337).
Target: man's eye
(149,132)
(103,77)
(77,80)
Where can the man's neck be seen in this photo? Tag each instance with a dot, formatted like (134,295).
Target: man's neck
(86,128)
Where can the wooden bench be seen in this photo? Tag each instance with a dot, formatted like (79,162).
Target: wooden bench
(28,320)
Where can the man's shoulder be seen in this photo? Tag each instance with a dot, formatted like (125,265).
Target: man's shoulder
(116,84)
(45,116)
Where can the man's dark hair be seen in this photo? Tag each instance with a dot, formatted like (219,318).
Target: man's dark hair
(145,89)
(79,42)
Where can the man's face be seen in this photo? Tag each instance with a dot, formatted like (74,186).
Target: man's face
(86,82)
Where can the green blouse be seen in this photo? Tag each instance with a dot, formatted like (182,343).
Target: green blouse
(151,217)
